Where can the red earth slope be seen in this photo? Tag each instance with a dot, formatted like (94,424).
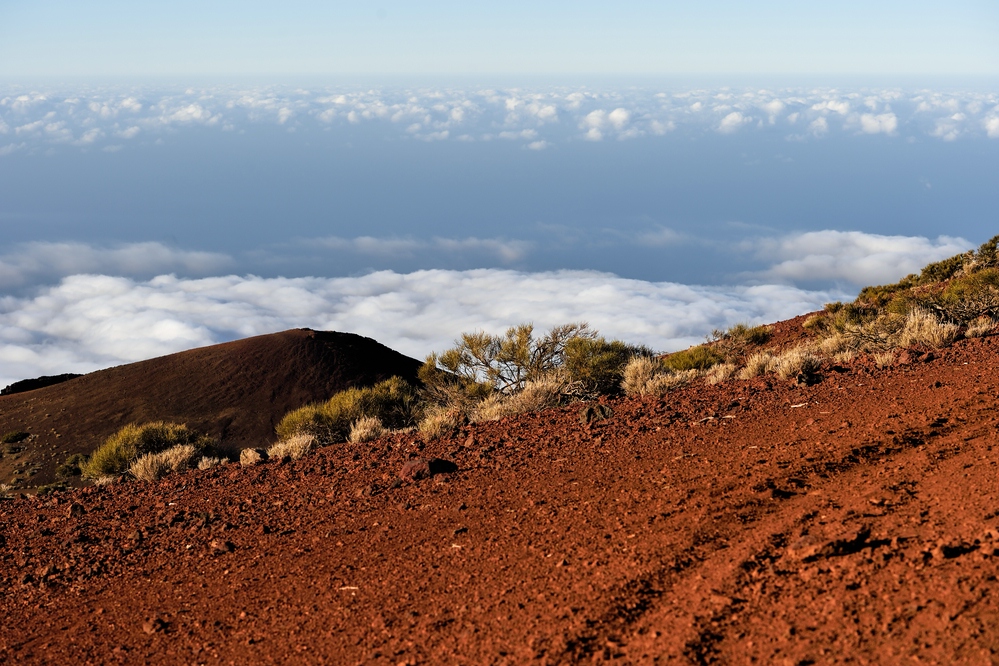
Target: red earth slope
(236,391)
(854,521)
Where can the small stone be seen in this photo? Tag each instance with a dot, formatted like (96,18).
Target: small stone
(135,536)
(218,546)
(153,625)
(414,470)
(249,457)
(905,358)
(75,510)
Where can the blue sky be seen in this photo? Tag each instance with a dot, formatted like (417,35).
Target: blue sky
(250,37)
(178,174)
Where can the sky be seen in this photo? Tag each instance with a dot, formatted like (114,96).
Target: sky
(178,175)
(580,37)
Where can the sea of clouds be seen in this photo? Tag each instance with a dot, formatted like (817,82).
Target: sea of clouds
(92,307)
(110,117)
(77,306)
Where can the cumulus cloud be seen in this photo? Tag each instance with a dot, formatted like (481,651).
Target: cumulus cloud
(992,127)
(91,321)
(882,123)
(849,257)
(31,263)
(65,117)
(732,122)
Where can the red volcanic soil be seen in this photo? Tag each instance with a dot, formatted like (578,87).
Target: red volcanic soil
(856,520)
(237,392)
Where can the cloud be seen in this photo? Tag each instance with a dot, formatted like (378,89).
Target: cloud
(38,262)
(732,122)
(991,125)
(91,321)
(849,257)
(507,251)
(72,117)
(884,123)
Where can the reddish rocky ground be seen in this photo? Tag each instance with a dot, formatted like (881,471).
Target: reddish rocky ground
(853,521)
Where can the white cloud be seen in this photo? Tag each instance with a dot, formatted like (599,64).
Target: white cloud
(507,251)
(618,118)
(837,106)
(63,116)
(537,145)
(732,122)
(850,257)
(30,263)
(819,126)
(91,321)
(885,123)
(991,125)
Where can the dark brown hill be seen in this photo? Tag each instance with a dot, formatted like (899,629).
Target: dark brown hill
(236,391)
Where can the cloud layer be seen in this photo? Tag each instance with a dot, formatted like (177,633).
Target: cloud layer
(109,118)
(91,321)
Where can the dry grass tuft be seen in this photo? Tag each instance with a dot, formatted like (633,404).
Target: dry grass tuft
(884,359)
(441,420)
(845,356)
(650,376)
(542,393)
(922,328)
(758,364)
(980,327)
(293,447)
(208,463)
(366,429)
(793,362)
(721,372)
(154,466)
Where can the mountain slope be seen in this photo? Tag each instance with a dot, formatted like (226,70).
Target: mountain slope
(236,391)
(754,521)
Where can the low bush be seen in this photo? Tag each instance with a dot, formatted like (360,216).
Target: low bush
(72,466)
(650,376)
(393,401)
(700,357)
(294,447)
(758,364)
(537,394)
(980,326)
(923,328)
(796,361)
(721,372)
(123,448)
(441,420)
(366,429)
(154,466)
(14,437)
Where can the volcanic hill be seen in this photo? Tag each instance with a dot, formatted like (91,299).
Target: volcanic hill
(235,391)
(755,521)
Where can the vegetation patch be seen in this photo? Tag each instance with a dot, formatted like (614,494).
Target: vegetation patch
(123,448)
(72,467)
(14,437)
(394,402)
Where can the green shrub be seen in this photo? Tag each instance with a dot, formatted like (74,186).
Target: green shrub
(14,437)
(393,401)
(754,335)
(124,447)
(700,357)
(72,467)
(598,365)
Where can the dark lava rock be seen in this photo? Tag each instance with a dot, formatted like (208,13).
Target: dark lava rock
(421,468)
